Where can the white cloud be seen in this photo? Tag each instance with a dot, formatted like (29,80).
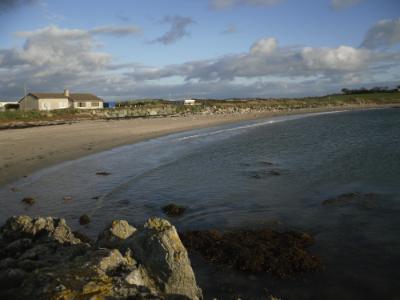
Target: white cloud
(266,60)
(264,46)
(223,4)
(116,30)
(55,49)
(341,58)
(385,33)
(340,4)
(52,58)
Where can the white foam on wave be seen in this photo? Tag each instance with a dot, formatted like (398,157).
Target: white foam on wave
(254,125)
(200,135)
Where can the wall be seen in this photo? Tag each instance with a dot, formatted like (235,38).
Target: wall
(88,105)
(50,104)
(29,103)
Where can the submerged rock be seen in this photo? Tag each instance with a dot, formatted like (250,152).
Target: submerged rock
(264,173)
(40,258)
(274,172)
(67,198)
(84,219)
(173,210)
(103,173)
(28,200)
(266,163)
(364,200)
(281,253)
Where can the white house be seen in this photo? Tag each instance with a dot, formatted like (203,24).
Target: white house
(189,102)
(51,101)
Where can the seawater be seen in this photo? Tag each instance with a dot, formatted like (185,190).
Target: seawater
(272,172)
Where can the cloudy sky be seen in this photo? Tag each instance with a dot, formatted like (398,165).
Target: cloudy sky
(125,49)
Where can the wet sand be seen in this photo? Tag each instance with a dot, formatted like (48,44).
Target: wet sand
(24,151)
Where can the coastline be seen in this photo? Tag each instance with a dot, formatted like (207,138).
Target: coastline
(27,150)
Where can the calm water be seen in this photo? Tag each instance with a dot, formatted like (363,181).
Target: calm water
(223,175)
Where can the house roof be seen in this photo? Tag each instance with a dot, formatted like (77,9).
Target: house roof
(72,96)
(84,97)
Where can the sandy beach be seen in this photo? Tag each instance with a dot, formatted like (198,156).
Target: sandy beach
(24,151)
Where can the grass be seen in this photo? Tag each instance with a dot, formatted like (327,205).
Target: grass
(32,115)
(338,100)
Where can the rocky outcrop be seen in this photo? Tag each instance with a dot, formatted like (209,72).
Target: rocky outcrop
(40,258)
(160,250)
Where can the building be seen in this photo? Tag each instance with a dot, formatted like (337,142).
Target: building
(189,102)
(51,101)
(5,105)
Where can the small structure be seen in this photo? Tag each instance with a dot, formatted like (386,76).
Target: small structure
(6,105)
(189,102)
(109,104)
(51,101)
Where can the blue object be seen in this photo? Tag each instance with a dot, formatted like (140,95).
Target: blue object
(109,104)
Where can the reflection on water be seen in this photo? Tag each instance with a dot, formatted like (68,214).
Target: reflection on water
(251,175)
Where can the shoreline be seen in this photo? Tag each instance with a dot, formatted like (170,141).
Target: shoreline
(27,150)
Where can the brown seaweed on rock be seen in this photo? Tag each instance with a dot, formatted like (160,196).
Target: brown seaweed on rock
(283,254)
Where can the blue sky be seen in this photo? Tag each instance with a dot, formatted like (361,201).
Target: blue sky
(204,48)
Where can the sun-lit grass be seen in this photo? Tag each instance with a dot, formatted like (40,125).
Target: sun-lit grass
(32,115)
(209,104)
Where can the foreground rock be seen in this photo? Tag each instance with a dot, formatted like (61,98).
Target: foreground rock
(40,258)
(283,254)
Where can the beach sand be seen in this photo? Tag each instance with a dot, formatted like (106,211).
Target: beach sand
(24,151)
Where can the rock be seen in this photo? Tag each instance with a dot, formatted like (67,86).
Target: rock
(42,259)
(173,210)
(82,237)
(159,249)
(84,219)
(18,245)
(35,252)
(19,227)
(118,231)
(28,200)
(274,172)
(11,278)
(67,198)
(152,113)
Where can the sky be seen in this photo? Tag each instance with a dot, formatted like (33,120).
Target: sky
(131,49)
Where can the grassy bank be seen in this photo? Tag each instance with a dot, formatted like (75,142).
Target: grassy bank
(32,116)
(161,107)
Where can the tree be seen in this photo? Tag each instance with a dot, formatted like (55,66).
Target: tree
(346,91)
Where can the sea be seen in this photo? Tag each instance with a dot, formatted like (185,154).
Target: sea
(273,172)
